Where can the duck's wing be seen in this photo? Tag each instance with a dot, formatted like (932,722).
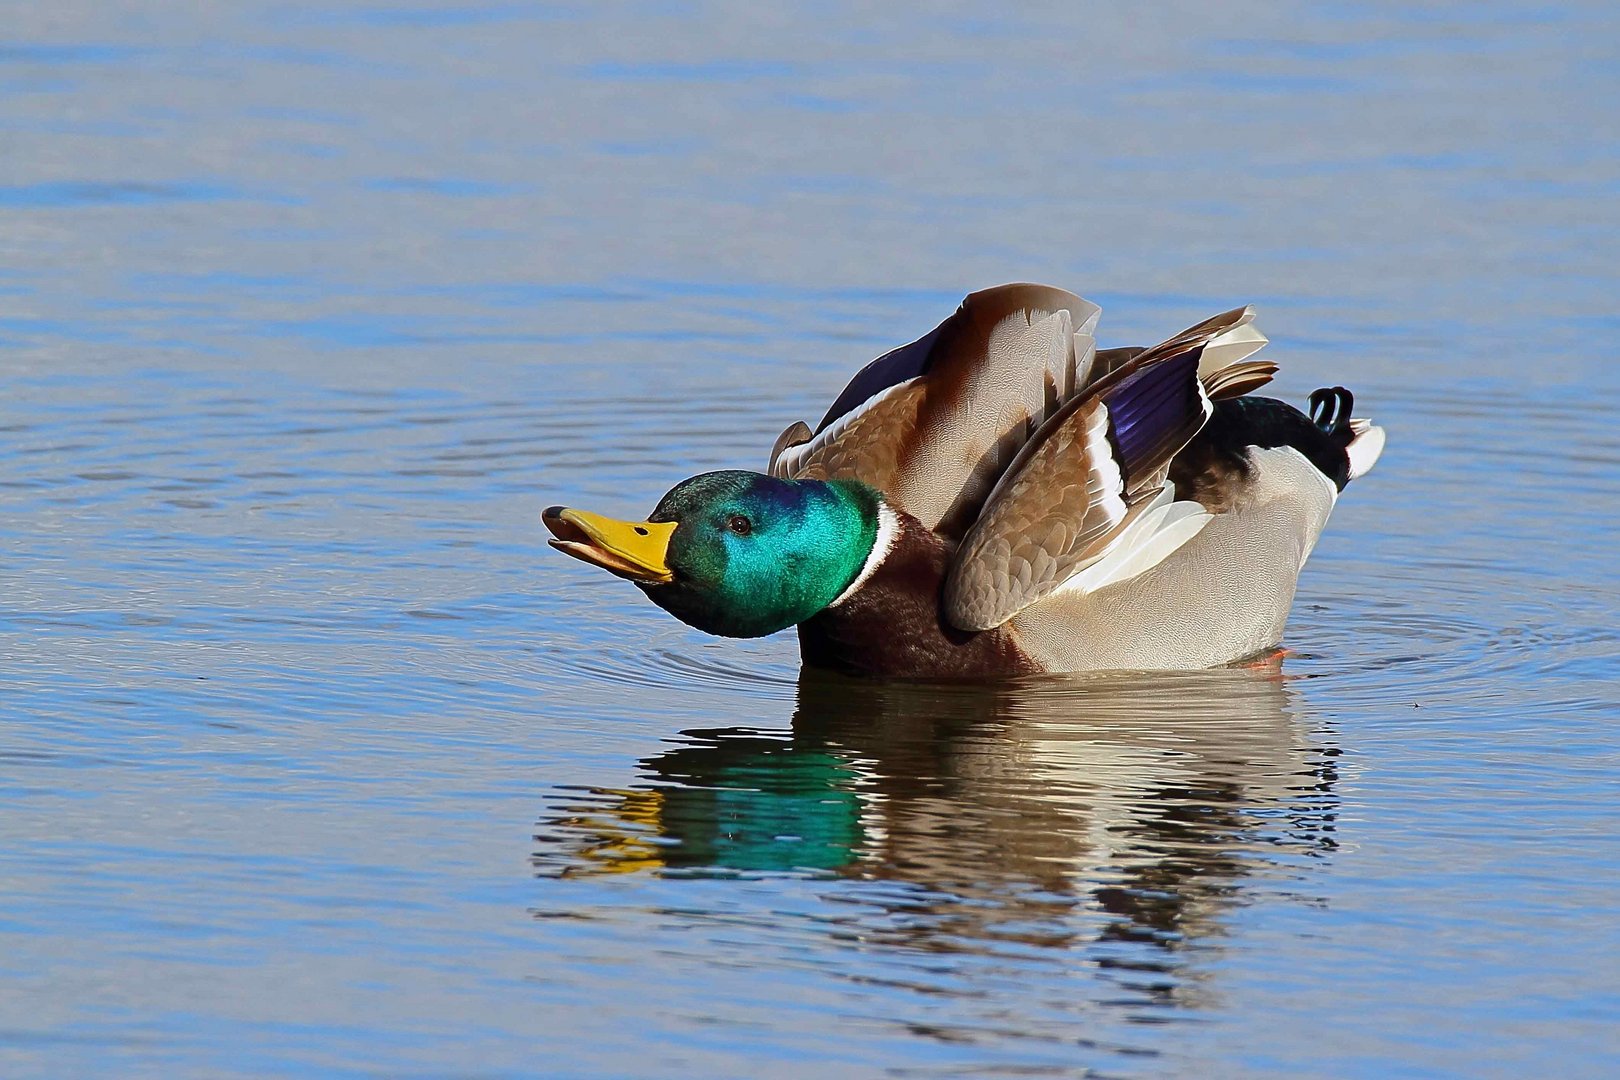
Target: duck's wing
(1230,338)
(934,424)
(1087,501)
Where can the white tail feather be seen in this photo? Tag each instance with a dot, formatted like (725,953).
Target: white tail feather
(1364,449)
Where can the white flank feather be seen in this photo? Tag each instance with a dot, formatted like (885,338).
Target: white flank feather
(1159,530)
(1182,521)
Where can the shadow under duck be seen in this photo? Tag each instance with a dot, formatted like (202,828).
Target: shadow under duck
(1000,497)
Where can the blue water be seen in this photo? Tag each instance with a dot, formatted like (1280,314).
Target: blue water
(315,760)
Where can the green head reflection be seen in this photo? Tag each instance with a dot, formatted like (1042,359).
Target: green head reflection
(730,802)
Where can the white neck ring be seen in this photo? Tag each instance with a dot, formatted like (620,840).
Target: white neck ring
(888,531)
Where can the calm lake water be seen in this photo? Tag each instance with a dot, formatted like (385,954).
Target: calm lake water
(315,760)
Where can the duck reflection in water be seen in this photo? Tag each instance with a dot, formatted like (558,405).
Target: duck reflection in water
(1045,813)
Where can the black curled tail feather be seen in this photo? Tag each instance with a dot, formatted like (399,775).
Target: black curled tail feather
(1330,411)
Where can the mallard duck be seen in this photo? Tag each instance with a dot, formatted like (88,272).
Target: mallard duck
(999,497)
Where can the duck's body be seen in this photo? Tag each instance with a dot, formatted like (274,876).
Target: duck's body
(1223,595)
(1000,498)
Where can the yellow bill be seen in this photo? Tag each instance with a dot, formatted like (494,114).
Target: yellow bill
(631,549)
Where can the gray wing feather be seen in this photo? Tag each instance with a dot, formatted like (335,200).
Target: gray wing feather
(1082,480)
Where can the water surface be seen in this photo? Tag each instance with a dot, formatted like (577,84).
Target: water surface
(315,760)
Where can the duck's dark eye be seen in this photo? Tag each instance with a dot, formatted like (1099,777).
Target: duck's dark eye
(739,525)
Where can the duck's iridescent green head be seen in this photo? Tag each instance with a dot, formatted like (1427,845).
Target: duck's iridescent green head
(735,553)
